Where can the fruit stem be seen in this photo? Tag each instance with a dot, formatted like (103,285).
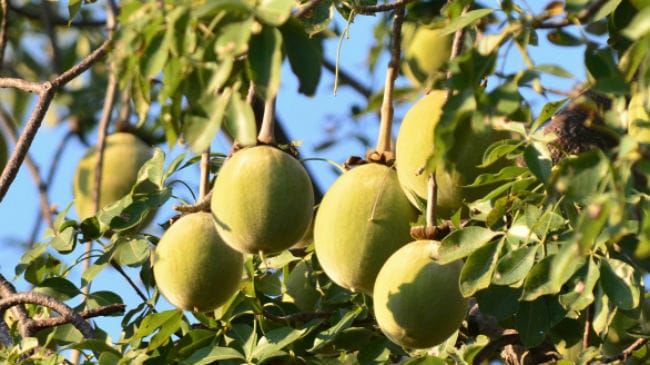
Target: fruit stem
(432,193)
(267,132)
(204,183)
(384,138)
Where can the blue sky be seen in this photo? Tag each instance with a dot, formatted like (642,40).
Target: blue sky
(305,119)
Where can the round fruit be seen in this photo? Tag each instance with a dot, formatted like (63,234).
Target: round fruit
(301,290)
(417,301)
(415,145)
(194,269)
(639,120)
(425,51)
(262,200)
(123,156)
(363,218)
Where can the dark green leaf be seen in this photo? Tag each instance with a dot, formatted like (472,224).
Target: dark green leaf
(58,288)
(621,283)
(327,336)
(538,160)
(534,319)
(304,55)
(274,341)
(265,61)
(514,266)
(240,121)
(478,268)
(583,285)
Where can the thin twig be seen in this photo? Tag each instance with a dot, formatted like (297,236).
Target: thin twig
(4,29)
(88,313)
(58,21)
(581,17)
(385,126)
(347,79)
(119,269)
(204,182)
(587,328)
(306,8)
(8,130)
(82,66)
(41,299)
(371,9)
(627,351)
(20,84)
(49,179)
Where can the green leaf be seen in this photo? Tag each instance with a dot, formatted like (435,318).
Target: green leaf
(515,265)
(534,319)
(328,335)
(305,56)
(463,242)
(274,12)
(579,178)
(548,275)
(151,173)
(178,20)
(462,21)
(200,130)
(639,26)
(425,360)
(265,61)
(102,298)
(155,56)
(240,121)
(319,18)
(583,285)
(73,8)
(501,302)
(478,268)
(547,112)
(155,321)
(553,69)
(65,241)
(538,160)
(499,149)
(58,288)
(274,341)
(233,39)
(245,337)
(169,326)
(604,312)
(131,251)
(621,283)
(210,354)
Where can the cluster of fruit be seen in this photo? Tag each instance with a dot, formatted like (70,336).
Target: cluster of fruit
(262,202)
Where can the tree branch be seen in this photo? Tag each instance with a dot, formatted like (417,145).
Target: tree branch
(88,313)
(627,351)
(581,17)
(6,290)
(20,84)
(64,310)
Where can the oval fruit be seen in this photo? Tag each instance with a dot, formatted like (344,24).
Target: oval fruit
(124,154)
(262,200)
(194,269)
(415,144)
(417,301)
(364,217)
(301,290)
(425,51)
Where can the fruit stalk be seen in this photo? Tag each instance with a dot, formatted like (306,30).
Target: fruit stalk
(204,183)
(432,196)
(267,130)
(384,138)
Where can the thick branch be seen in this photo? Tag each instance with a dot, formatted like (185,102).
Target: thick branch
(20,84)
(88,313)
(7,289)
(581,17)
(47,301)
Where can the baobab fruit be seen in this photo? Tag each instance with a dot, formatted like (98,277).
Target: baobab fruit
(425,51)
(417,301)
(262,200)
(194,269)
(415,144)
(301,288)
(364,217)
(124,154)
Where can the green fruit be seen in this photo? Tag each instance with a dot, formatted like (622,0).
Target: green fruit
(262,200)
(417,301)
(301,289)
(415,145)
(194,269)
(639,120)
(362,220)
(425,51)
(124,154)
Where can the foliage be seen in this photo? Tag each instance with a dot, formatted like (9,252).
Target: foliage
(554,256)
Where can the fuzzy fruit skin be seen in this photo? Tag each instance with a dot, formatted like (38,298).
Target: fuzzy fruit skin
(300,288)
(262,200)
(364,217)
(124,154)
(194,269)
(425,51)
(415,144)
(417,301)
